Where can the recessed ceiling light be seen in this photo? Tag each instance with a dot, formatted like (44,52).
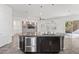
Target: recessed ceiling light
(29,4)
(52,4)
(41,6)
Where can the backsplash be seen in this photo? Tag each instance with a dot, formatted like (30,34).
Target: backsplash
(46,27)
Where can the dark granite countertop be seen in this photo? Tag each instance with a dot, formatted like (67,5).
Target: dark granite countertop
(41,35)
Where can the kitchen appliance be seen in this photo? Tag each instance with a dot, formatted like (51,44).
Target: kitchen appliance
(30,44)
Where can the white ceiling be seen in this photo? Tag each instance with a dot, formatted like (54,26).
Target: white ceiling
(47,11)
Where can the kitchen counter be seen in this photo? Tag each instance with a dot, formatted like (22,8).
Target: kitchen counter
(41,35)
(51,43)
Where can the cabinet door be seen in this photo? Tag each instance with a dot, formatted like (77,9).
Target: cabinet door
(22,43)
(68,43)
(75,44)
(45,45)
(54,43)
(42,44)
(48,44)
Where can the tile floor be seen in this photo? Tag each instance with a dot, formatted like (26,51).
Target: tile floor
(11,48)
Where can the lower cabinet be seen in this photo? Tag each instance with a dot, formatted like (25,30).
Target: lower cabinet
(48,44)
(40,44)
(22,43)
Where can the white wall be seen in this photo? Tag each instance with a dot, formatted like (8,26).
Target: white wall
(5,25)
(17,25)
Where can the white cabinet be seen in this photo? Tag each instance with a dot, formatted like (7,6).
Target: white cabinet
(71,43)
(75,44)
(67,43)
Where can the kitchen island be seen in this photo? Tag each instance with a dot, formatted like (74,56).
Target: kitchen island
(41,43)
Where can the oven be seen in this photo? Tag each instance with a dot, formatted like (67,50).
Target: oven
(30,44)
